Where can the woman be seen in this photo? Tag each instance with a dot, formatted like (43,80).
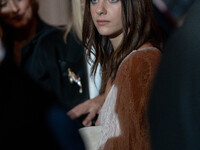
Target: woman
(126,44)
(20,23)
(49,55)
(28,121)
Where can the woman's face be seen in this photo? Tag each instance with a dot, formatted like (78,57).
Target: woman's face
(106,15)
(16,13)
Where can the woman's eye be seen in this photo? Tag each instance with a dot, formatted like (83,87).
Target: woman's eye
(113,1)
(93,1)
(3,3)
(17,1)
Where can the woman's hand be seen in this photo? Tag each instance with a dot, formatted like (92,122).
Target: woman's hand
(91,106)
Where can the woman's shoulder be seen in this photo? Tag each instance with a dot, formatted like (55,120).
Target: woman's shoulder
(143,54)
(147,53)
(56,37)
(51,34)
(138,67)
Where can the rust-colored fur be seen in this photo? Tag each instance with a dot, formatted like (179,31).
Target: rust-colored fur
(133,81)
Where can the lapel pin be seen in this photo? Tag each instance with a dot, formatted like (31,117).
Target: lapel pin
(74,78)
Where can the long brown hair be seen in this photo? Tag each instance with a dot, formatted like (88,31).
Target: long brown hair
(138,27)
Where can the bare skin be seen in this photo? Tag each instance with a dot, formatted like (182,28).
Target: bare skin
(91,106)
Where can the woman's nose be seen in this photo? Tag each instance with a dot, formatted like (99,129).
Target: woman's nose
(14,7)
(101,8)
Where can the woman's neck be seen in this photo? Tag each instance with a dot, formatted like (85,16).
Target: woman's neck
(147,44)
(116,40)
(26,33)
(22,37)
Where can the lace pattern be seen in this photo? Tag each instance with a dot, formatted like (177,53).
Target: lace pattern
(108,118)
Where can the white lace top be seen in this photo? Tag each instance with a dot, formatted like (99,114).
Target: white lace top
(108,117)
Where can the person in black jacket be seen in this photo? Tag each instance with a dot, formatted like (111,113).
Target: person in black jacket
(29,113)
(56,63)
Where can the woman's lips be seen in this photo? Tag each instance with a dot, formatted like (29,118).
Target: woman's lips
(18,17)
(102,22)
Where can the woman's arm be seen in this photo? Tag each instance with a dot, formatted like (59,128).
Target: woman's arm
(134,80)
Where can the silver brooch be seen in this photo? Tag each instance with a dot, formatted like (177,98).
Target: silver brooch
(74,78)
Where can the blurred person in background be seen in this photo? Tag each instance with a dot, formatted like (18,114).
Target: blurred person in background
(20,24)
(164,18)
(174,105)
(53,57)
(26,121)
